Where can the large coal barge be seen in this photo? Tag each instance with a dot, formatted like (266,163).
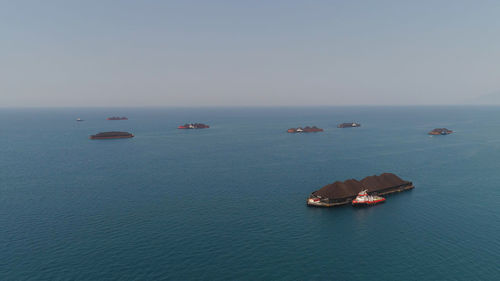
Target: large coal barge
(342,193)
(111,135)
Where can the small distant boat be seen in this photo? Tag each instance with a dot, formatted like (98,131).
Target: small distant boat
(363,199)
(79,120)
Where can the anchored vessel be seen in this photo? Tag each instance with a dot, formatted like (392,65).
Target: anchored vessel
(342,193)
(117,118)
(363,199)
(194,126)
(307,129)
(440,131)
(111,135)
(348,125)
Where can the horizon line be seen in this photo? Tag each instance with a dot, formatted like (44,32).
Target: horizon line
(245,106)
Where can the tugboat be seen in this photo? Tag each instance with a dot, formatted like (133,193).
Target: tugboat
(363,199)
(194,126)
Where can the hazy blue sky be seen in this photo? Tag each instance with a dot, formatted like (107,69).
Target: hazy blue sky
(171,53)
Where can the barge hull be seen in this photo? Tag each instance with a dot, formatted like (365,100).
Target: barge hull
(107,138)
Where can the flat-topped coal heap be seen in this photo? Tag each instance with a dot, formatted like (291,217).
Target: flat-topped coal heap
(339,193)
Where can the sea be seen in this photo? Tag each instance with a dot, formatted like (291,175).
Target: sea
(229,202)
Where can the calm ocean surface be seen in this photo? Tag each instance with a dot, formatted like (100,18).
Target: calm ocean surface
(228,203)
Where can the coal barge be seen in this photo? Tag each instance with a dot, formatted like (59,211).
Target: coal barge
(117,118)
(111,135)
(343,193)
(348,125)
(194,126)
(307,129)
(440,131)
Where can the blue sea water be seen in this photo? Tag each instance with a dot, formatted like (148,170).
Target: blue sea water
(228,203)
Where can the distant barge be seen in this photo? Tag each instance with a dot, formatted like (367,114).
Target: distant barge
(111,135)
(307,129)
(440,131)
(117,118)
(194,126)
(349,125)
(342,193)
